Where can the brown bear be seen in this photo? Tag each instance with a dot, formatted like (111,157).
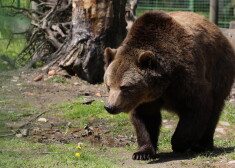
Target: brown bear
(178,61)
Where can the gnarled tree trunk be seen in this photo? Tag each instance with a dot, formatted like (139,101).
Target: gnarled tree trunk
(95,24)
(71,35)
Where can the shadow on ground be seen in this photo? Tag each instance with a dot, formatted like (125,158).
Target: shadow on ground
(171,156)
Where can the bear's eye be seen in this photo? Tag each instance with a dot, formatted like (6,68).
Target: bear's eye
(125,88)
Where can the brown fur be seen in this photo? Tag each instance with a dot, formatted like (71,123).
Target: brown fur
(178,61)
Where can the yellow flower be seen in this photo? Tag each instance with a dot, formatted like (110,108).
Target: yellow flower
(78,147)
(77,154)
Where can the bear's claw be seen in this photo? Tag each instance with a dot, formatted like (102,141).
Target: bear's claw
(143,156)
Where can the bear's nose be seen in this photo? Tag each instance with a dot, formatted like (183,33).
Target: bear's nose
(111,109)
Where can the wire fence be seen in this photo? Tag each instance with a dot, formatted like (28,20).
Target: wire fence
(225,16)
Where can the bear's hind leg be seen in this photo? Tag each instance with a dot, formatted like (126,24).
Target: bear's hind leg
(147,120)
(207,142)
(191,127)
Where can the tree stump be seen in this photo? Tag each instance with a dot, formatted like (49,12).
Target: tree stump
(95,25)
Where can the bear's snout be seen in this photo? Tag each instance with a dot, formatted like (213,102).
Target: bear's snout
(111,109)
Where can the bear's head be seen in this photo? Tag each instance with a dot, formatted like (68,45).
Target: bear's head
(132,77)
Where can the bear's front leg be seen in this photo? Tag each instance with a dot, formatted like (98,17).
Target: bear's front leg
(146,120)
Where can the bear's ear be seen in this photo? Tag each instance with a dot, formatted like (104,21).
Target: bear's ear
(109,56)
(147,61)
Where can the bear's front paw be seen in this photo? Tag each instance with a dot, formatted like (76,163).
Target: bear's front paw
(144,155)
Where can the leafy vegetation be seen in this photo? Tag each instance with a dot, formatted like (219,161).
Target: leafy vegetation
(11,28)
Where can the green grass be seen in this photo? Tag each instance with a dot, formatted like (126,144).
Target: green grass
(95,113)
(57,79)
(23,110)
(229,113)
(13,116)
(19,153)
(9,116)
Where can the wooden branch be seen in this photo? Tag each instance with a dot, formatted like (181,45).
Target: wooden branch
(134,4)
(130,13)
(63,8)
(52,39)
(39,115)
(11,134)
(10,39)
(58,29)
(66,24)
(47,4)
(51,14)
(55,56)
(35,57)
(24,125)
(24,50)
(23,9)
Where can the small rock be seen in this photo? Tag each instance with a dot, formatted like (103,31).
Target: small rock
(19,135)
(232,162)
(225,112)
(164,121)
(169,126)
(80,143)
(224,123)
(232,100)
(88,131)
(29,93)
(220,130)
(42,120)
(76,83)
(15,78)
(24,132)
(98,94)
(38,78)
(52,72)
(86,102)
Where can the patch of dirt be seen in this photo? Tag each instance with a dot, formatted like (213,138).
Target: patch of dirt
(96,136)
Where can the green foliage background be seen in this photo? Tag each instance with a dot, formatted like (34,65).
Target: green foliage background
(12,25)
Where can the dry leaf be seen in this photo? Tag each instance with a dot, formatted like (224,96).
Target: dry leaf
(38,78)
